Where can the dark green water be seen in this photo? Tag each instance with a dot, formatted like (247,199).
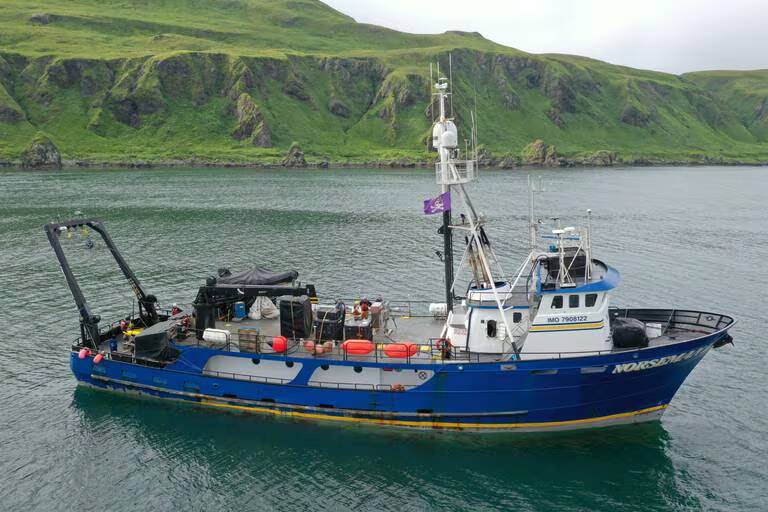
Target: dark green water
(693,238)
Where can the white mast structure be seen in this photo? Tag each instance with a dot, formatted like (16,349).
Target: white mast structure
(451,174)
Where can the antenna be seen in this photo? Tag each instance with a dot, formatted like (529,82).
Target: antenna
(534,187)
(450,79)
(474,121)
(474,136)
(589,243)
(431,99)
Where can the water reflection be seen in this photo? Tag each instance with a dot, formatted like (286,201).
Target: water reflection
(276,462)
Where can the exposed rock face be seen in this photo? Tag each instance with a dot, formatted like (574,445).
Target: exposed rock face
(10,111)
(484,156)
(42,18)
(554,115)
(250,123)
(248,116)
(296,89)
(42,153)
(262,136)
(540,153)
(338,108)
(600,159)
(8,114)
(295,157)
(634,116)
(398,92)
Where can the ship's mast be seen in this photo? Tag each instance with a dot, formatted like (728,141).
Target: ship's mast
(442,87)
(452,173)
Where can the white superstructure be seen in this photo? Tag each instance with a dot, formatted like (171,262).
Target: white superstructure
(558,300)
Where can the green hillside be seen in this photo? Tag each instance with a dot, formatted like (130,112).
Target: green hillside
(241,80)
(745,93)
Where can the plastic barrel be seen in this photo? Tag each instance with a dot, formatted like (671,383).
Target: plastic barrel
(240,309)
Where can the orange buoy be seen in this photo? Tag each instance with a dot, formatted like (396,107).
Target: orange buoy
(98,358)
(357,347)
(279,344)
(83,353)
(405,349)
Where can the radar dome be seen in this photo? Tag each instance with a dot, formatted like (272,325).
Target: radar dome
(445,135)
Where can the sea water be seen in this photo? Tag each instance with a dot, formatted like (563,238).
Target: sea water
(691,238)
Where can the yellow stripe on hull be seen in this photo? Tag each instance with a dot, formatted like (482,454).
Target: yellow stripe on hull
(435,424)
(567,327)
(453,425)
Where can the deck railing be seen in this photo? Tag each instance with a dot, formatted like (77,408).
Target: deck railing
(671,318)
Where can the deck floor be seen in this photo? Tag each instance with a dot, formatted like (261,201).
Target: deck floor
(416,329)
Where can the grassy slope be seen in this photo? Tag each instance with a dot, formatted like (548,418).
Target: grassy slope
(744,92)
(155,80)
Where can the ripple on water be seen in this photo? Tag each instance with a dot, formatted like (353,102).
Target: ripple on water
(681,237)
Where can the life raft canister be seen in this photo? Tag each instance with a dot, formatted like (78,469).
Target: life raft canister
(357,347)
(402,350)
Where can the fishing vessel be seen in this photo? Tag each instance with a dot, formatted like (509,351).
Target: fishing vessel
(539,349)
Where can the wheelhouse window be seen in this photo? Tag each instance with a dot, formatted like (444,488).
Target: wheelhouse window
(517,317)
(590,300)
(557,302)
(573,301)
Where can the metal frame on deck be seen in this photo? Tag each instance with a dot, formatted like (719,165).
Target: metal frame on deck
(89,322)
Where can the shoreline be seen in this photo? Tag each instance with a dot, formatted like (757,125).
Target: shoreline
(372,164)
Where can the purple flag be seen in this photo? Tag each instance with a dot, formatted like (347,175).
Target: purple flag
(439,204)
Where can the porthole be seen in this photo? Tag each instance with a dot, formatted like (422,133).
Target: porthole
(358,369)
(289,364)
(324,366)
(255,360)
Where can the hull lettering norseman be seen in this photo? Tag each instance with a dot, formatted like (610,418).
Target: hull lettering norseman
(661,361)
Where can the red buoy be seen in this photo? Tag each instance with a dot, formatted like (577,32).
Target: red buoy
(98,358)
(357,347)
(279,344)
(309,346)
(83,353)
(405,349)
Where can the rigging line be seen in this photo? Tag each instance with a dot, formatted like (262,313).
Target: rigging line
(484,263)
(461,263)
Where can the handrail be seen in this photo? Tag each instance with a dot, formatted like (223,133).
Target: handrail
(433,353)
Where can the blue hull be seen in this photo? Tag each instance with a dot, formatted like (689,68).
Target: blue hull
(548,394)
